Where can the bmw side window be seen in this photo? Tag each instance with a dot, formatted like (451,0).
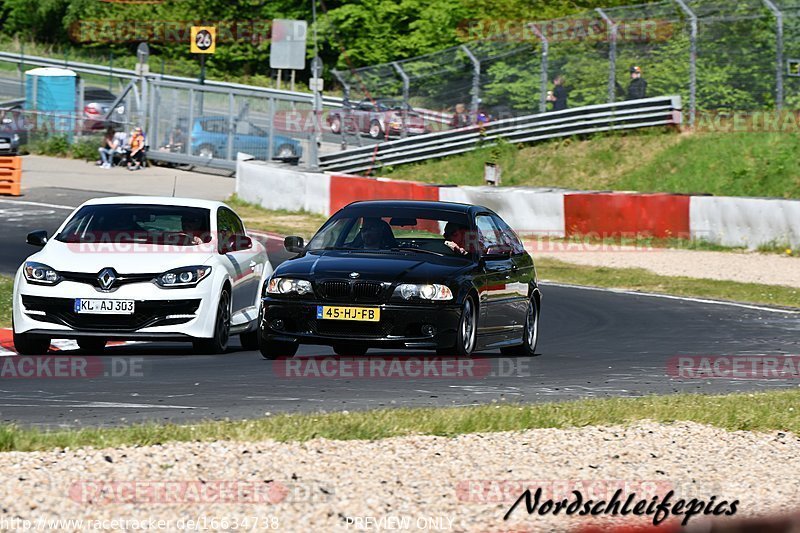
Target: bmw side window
(509,237)
(488,234)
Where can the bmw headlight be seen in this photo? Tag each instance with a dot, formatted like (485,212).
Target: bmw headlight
(40,274)
(430,291)
(299,287)
(183,277)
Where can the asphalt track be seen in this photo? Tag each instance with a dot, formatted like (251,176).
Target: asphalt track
(593,344)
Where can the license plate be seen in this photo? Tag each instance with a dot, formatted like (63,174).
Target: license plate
(359,314)
(99,306)
(4,145)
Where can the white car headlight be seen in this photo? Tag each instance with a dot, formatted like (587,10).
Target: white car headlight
(289,286)
(183,277)
(432,291)
(40,274)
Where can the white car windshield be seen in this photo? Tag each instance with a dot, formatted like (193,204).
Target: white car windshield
(141,223)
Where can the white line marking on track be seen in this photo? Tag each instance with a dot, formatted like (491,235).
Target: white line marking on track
(671,297)
(41,204)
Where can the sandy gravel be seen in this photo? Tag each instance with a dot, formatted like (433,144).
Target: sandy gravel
(750,267)
(328,485)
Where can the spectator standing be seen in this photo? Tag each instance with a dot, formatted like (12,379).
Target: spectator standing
(107,148)
(460,118)
(638,87)
(558,96)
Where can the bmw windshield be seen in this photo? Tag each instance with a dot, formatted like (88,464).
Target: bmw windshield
(403,229)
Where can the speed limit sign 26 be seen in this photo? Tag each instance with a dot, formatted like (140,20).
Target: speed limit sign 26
(204,39)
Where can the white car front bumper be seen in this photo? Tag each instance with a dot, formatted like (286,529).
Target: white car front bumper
(159,314)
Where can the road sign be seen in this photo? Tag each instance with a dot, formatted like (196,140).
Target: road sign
(204,39)
(142,53)
(288,47)
(315,84)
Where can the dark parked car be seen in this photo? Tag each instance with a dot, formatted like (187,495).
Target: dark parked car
(210,139)
(13,130)
(376,117)
(404,274)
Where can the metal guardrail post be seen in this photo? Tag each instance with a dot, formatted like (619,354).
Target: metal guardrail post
(155,97)
(778,52)
(190,126)
(271,142)
(612,55)
(404,111)
(543,75)
(476,82)
(231,126)
(692,60)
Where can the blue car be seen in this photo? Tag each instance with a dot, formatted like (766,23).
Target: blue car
(210,139)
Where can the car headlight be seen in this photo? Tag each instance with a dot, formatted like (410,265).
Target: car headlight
(183,277)
(15,138)
(432,291)
(40,274)
(299,287)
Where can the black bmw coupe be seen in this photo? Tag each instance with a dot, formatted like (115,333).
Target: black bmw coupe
(404,274)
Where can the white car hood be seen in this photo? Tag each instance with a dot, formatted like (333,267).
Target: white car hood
(124,258)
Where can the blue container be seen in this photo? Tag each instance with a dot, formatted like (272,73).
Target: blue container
(51,92)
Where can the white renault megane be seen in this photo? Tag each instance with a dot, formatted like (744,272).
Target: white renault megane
(144,268)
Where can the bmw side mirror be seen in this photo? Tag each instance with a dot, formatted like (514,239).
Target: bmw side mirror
(294,244)
(37,238)
(496,252)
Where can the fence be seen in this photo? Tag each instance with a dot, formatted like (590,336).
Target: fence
(714,54)
(649,112)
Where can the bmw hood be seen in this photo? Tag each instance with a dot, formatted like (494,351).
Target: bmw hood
(391,267)
(134,258)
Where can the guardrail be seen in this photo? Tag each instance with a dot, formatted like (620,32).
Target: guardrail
(648,112)
(100,70)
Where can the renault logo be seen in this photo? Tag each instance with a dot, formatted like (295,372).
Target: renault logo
(354,275)
(106,278)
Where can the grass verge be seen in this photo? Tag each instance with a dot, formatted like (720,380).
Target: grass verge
(6,284)
(753,412)
(724,164)
(643,280)
(277,221)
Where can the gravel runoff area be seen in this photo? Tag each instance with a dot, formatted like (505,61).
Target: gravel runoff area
(747,267)
(465,483)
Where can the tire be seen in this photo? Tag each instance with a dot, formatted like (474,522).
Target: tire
(336,125)
(222,328)
(467,331)
(27,344)
(354,350)
(285,151)
(375,130)
(273,349)
(92,345)
(249,340)
(530,335)
(206,150)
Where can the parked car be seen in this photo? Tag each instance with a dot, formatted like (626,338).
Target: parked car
(13,130)
(96,104)
(147,268)
(210,139)
(377,118)
(404,274)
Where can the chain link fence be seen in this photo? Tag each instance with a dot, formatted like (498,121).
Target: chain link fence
(715,55)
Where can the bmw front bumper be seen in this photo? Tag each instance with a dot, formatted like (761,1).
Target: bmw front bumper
(402,325)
